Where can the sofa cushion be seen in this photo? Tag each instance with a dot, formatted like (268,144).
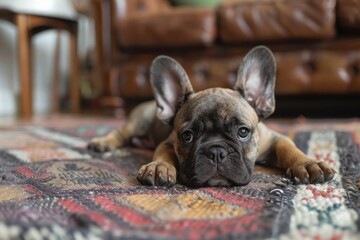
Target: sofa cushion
(318,72)
(348,15)
(175,27)
(258,20)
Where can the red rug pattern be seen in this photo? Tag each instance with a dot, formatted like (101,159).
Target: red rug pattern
(51,186)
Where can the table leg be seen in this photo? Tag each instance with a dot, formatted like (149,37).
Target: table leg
(74,78)
(24,48)
(56,75)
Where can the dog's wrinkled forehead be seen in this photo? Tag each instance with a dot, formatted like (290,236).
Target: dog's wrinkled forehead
(217,106)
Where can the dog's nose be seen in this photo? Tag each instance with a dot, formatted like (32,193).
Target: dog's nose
(216,154)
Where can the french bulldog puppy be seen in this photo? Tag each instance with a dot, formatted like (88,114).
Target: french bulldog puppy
(211,137)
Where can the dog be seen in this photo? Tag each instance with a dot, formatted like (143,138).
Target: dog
(212,137)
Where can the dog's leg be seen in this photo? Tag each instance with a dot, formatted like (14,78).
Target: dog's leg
(138,124)
(111,141)
(161,171)
(298,164)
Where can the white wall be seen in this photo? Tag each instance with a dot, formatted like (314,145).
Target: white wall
(8,72)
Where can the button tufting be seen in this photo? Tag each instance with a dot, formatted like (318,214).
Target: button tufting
(141,6)
(355,69)
(202,72)
(310,66)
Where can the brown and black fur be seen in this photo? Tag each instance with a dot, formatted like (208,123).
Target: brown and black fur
(212,137)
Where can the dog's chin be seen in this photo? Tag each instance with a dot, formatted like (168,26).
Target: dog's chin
(223,182)
(218,182)
(215,181)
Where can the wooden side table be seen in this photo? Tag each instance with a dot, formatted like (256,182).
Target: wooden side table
(29,25)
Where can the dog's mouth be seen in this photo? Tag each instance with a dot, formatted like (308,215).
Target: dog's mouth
(215,178)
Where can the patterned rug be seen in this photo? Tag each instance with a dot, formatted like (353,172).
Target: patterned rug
(51,187)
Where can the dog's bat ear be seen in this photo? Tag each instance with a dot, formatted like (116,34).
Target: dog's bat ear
(256,80)
(171,87)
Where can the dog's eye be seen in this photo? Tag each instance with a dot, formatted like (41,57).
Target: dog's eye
(187,136)
(243,133)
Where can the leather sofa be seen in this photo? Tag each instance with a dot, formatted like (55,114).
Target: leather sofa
(316,45)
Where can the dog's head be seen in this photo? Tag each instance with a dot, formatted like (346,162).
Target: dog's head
(217,139)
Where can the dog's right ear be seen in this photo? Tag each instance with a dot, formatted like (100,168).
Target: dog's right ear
(256,80)
(171,87)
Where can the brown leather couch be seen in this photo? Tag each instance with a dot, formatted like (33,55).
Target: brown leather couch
(316,45)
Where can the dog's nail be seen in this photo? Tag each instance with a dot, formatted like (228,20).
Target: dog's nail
(149,180)
(171,181)
(141,178)
(96,147)
(160,177)
(288,173)
(161,180)
(90,147)
(330,176)
(320,179)
(305,180)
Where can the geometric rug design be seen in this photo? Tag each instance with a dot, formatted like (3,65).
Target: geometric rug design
(52,187)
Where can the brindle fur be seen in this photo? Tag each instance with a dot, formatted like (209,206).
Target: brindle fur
(215,156)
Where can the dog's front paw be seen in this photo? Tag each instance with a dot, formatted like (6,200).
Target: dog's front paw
(311,172)
(157,174)
(103,144)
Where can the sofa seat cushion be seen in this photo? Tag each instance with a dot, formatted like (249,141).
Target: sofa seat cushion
(260,20)
(318,72)
(175,27)
(348,15)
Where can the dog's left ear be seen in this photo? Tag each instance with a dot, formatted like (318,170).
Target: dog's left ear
(171,87)
(256,80)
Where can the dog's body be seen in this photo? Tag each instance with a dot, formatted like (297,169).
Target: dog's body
(212,137)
